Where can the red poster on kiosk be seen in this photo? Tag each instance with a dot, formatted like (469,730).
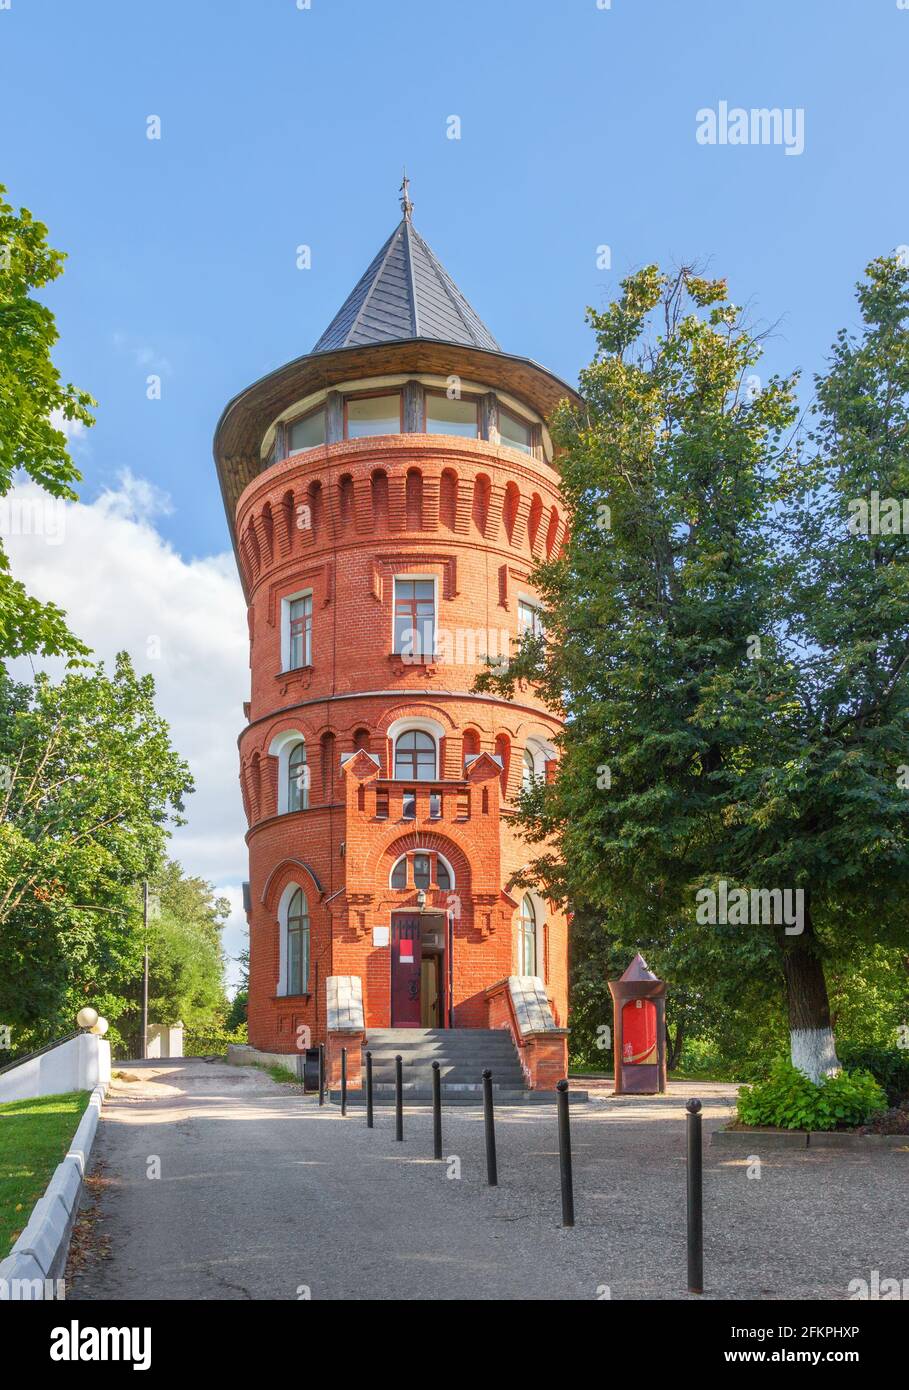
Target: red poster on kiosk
(639,1032)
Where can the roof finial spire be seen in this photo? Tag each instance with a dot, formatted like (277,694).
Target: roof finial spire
(406,204)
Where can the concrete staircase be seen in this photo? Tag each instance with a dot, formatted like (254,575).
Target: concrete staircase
(462,1054)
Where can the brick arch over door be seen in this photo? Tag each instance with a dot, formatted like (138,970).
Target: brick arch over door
(380,861)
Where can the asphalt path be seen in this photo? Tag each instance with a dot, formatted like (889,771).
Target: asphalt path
(215,1182)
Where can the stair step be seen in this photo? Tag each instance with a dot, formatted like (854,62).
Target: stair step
(468,1096)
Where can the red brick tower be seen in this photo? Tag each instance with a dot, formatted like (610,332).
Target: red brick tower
(387,495)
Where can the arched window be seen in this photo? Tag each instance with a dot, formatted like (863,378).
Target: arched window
(297,779)
(399,873)
(297,929)
(415,756)
(537,753)
(292,775)
(527,937)
(423,876)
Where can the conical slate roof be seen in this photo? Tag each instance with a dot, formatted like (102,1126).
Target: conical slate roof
(405,293)
(638,970)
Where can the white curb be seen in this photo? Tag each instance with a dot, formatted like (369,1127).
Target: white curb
(38,1257)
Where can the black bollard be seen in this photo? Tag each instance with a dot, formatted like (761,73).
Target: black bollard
(343,1080)
(565,1155)
(436,1111)
(492,1171)
(399,1099)
(695,1199)
(321,1073)
(369,1090)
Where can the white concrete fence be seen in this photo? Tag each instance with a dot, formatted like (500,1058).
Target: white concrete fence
(79,1064)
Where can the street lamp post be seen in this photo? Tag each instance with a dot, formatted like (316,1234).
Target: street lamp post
(145,972)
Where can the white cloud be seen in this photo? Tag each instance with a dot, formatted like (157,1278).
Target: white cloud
(73,429)
(134,499)
(125,588)
(143,354)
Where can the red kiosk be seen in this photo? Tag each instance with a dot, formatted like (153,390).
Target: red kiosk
(639,1034)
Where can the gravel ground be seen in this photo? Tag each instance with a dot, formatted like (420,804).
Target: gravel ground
(263,1195)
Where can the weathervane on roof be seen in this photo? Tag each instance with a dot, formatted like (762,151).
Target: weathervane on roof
(406,204)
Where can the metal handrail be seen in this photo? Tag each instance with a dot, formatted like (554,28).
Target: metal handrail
(39,1050)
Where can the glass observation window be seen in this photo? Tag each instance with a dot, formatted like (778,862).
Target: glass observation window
(307,433)
(367,415)
(514,431)
(444,416)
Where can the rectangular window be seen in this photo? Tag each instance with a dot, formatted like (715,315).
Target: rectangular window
(368,415)
(409,805)
(307,433)
(299,614)
(415,617)
(514,432)
(530,619)
(444,416)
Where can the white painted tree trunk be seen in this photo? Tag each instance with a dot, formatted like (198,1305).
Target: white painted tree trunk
(813,1051)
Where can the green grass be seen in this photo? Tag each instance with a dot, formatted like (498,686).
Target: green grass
(34,1138)
(277,1072)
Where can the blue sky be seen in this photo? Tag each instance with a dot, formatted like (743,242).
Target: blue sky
(283,126)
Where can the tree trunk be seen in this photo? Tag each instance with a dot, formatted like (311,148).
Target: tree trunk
(812,1045)
(674,1047)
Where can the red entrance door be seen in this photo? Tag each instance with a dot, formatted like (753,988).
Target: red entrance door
(405,971)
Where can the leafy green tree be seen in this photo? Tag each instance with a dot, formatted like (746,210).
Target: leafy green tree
(33,402)
(186,961)
(90,787)
(239,1008)
(732,660)
(724,990)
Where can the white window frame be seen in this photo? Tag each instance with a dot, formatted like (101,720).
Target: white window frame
(286,601)
(417,579)
(406,726)
(539,921)
(542,753)
(525,601)
(280,748)
(423,849)
(283,907)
